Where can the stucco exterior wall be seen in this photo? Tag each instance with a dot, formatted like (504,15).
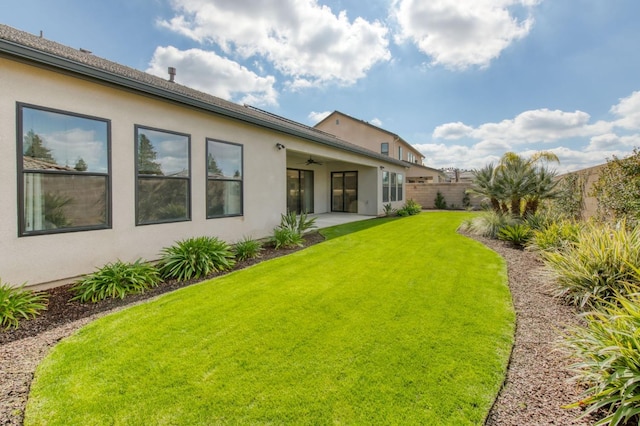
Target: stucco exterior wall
(39,259)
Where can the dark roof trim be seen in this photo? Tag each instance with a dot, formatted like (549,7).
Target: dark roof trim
(48,59)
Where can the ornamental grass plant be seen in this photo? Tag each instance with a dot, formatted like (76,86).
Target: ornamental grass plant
(196,257)
(116,280)
(599,266)
(17,304)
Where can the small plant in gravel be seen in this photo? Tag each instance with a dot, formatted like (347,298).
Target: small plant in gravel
(599,266)
(16,304)
(195,258)
(247,248)
(286,238)
(608,354)
(556,236)
(518,234)
(292,227)
(388,210)
(116,280)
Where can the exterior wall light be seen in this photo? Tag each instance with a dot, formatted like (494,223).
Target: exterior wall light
(280,146)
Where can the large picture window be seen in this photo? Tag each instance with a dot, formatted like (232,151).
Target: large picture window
(163,176)
(224,179)
(64,168)
(392,184)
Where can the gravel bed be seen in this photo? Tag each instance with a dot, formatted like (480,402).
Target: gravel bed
(535,388)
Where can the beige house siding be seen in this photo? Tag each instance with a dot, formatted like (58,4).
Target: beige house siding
(41,259)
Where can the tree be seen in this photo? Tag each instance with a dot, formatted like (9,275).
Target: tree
(34,147)
(617,189)
(146,157)
(81,165)
(485,184)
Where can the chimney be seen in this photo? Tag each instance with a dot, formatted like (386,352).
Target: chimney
(172,74)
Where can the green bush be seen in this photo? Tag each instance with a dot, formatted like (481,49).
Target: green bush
(287,238)
(518,234)
(195,258)
(117,279)
(556,236)
(389,210)
(297,223)
(607,351)
(247,248)
(599,266)
(439,201)
(16,304)
(488,224)
(410,208)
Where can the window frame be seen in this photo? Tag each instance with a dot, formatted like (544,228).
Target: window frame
(136,133)
(208,179)
(21,172)
(393,189)
(382,148)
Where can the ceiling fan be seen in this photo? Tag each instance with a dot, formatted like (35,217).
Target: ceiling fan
(311,161)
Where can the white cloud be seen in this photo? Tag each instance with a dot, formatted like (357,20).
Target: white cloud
(210,73)
(455,130)
(628,109)
(376,122)
(302,39)
(461,33)
(580,143)
(316,117)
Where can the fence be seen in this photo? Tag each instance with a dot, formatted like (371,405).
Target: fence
(453,193)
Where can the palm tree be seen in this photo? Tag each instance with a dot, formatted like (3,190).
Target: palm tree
(525,179)
(544,188)
(485,184)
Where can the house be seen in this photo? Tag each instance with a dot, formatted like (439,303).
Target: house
(383,141)
(100,162)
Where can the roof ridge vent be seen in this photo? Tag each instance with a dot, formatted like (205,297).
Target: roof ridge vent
(172,74)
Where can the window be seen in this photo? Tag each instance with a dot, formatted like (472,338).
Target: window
(392,186)
(63,171)
(385,187)
(384,148)
(224,179)
(163,176)
(399,153)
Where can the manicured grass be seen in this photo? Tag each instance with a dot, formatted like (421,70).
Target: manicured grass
(402,323)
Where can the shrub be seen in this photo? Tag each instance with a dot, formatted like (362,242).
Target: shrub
(556,236)
(117,279)
(287,238)
(16,304)
(598,266)
(297,223)
(608,354)
(439,201)
(488,224)
(388,210)
(195,258)
(410,208)
(518,234)
(247,248)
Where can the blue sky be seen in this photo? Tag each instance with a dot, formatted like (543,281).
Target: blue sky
(462,80)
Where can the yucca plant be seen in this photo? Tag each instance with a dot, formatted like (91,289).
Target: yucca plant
(286,238)
(297,223)
(597,267)
(608,354)
(247,248)
(116,280)
(195,258)
(17,304)
(518,234)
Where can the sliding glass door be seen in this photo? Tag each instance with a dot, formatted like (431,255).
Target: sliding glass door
(344,192)
(300,191)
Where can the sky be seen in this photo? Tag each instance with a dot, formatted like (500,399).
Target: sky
(464,81)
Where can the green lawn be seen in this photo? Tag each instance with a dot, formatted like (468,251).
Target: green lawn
(402,323)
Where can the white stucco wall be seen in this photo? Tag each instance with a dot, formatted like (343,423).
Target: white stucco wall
(40,259)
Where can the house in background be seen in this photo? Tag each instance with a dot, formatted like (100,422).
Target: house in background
(102,162)
(383,141)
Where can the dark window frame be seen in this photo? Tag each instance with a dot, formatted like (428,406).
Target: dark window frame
(138,176)
(384,151)
(208,179)
(21,172)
